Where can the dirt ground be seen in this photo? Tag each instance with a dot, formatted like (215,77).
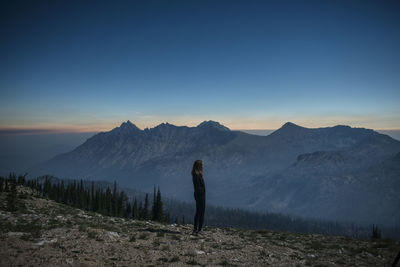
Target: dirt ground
(46,233)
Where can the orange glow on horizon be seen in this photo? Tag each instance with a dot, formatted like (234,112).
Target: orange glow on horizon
(233,125)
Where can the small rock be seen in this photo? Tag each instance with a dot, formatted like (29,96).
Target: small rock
(15,233)
(113,235)
(69,261)
(199,252)
(367,254)
(40,243)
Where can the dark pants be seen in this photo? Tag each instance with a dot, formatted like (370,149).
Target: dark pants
(200,208)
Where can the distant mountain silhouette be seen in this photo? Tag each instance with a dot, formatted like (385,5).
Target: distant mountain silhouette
(334,172)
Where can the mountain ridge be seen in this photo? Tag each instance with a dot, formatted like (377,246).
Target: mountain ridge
(252,168)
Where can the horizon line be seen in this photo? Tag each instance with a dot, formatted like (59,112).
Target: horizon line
(77,130)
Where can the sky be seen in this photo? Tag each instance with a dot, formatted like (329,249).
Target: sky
(76,66)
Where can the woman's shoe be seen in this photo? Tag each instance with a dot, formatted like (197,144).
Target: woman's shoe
(200,232)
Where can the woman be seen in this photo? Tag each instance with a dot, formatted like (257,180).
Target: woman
(199,196)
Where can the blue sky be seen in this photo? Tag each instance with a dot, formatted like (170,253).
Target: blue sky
(89,65)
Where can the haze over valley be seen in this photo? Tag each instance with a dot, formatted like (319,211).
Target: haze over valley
(336,173)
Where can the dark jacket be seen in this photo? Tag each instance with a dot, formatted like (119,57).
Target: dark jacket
(199,186)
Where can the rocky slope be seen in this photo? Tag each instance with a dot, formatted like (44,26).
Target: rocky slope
(45,233)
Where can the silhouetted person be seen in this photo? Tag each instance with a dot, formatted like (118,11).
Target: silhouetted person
(199,195)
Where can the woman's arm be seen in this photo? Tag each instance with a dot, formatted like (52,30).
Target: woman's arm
(202,184)
(194,179)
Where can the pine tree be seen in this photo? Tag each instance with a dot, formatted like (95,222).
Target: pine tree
(5,185)
(81,195)
(128,212)
(74,194)
(135,212)
(38,188)
(376,233)
(108,202)
(92,198)
(114,201)
(101,202)
(12,177)
(1,184)
(120,204)
(88,199)
(12,197)
(62,192)
(98,206)
(21,179)
(46,187)
(158,215)
(146,207)
(154,207)
(141,215)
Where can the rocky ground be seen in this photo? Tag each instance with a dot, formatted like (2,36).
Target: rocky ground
(45,233)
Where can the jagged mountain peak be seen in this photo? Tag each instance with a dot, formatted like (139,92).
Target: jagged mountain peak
(212,124)
(128,125)
(165,125)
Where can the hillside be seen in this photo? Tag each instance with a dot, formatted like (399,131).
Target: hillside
(294,170)
(176,210)
(43,232)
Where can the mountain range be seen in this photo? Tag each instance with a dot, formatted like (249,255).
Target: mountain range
(336,173)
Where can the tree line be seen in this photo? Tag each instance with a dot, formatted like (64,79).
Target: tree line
(109,202)
(106,199)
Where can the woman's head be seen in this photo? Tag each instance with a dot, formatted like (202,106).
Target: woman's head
(197,168)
